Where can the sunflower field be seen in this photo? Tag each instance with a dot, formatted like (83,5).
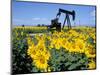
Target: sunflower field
(73,49)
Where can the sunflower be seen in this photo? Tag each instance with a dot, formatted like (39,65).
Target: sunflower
(90,52)
(41,60)
(80,45)
(92,65)
(30,42)
(32,51)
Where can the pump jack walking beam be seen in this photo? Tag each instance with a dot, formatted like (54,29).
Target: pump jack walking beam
(67,13)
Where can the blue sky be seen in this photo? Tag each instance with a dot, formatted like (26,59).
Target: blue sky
(32,13)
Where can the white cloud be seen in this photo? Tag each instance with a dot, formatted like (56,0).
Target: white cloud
(35,18)
(38,19)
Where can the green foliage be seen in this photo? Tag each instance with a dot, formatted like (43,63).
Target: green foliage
(90,40)
(21,63)
(62,60)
